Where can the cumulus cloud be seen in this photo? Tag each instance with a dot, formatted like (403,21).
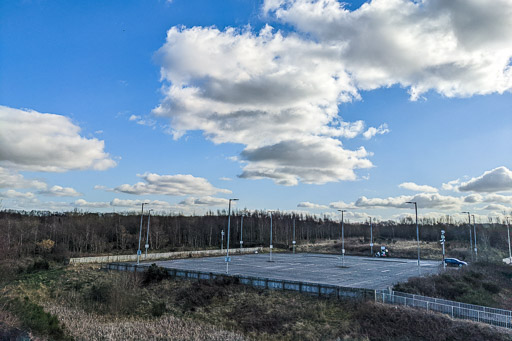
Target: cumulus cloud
(59,191)
(417,188)
(265,91)
(288,162)
(88,204)
(340,205)
(206,201)
(176,185)
(46,142)
(424,200)
(457,48)
(307,204)
(12,179)
(15,194)
(496,180)
(372,131)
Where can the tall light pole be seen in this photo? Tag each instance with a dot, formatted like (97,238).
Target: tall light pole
(293,241)
(474,234)
(470,237)
(147,235)
(417,231)
(509,248)
(242,231)
(271,246)
(371,237)
(139,252)
(228,259)
(342,239)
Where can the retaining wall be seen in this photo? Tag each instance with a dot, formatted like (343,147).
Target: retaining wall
(165,255)
(315,289)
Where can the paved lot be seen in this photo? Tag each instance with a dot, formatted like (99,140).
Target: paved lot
(359,272)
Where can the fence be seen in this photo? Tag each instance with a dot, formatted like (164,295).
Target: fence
(493,316)
(315,289)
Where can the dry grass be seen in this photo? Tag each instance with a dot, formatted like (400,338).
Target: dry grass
(92,327)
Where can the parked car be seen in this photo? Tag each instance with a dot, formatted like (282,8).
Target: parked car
(454,262)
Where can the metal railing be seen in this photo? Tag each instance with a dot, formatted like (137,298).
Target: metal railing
(493,316)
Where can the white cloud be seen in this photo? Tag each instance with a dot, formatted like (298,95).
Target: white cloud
(224,178)
(88,204)
(177,185)
(457,47)
(497,207)
(33,141)
(312,160)
(340,205)
(206,201)
(496,180)
(372,131)
(417,188)
(12,179)
(59,191)
(265,91)
(134,118)
(424,200)
(498,198)
(15,194)
(307,204)
(451,185)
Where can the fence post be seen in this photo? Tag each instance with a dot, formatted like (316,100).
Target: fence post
(452,311)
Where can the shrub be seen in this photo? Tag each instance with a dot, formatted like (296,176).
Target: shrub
(158,309)
(154,274)
(100,292)
(35,318)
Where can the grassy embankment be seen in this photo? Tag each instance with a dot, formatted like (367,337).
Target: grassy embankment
(84,303)
(482,283)
(401,248)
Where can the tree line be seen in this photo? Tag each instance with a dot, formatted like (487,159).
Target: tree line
(71,234)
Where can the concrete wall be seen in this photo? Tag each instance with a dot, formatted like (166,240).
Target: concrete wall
(166,255)
(315,289)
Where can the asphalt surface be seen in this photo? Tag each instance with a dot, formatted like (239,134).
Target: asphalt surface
(359,272)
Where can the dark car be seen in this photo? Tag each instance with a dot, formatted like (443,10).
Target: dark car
(454,262)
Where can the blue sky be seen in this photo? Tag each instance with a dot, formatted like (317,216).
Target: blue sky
(267,101)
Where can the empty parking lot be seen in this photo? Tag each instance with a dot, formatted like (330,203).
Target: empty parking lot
(359,272)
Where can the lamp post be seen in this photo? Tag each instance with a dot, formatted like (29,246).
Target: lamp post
(228,259)
(371,237)
(271,246)
(242,232)
(147,235)
(293,241)
(139,252)
(342,239)
(470,237)
(222,240)
(417,231)
(474,234)
(509,248)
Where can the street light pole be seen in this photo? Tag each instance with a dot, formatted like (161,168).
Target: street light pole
(242,232)
(470,237)
(342,239)
(474,234)
(509,249)
(227,239)
(294,242)
(147,235)
(371,237)
(417,231)
(139,252)
(271,246)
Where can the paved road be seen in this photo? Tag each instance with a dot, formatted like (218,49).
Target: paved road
(360,272)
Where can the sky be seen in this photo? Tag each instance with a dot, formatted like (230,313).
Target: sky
(294,105)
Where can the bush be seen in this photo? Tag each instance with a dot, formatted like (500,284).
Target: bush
(154,274)
(158,309)
(100,292)
(36,319)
